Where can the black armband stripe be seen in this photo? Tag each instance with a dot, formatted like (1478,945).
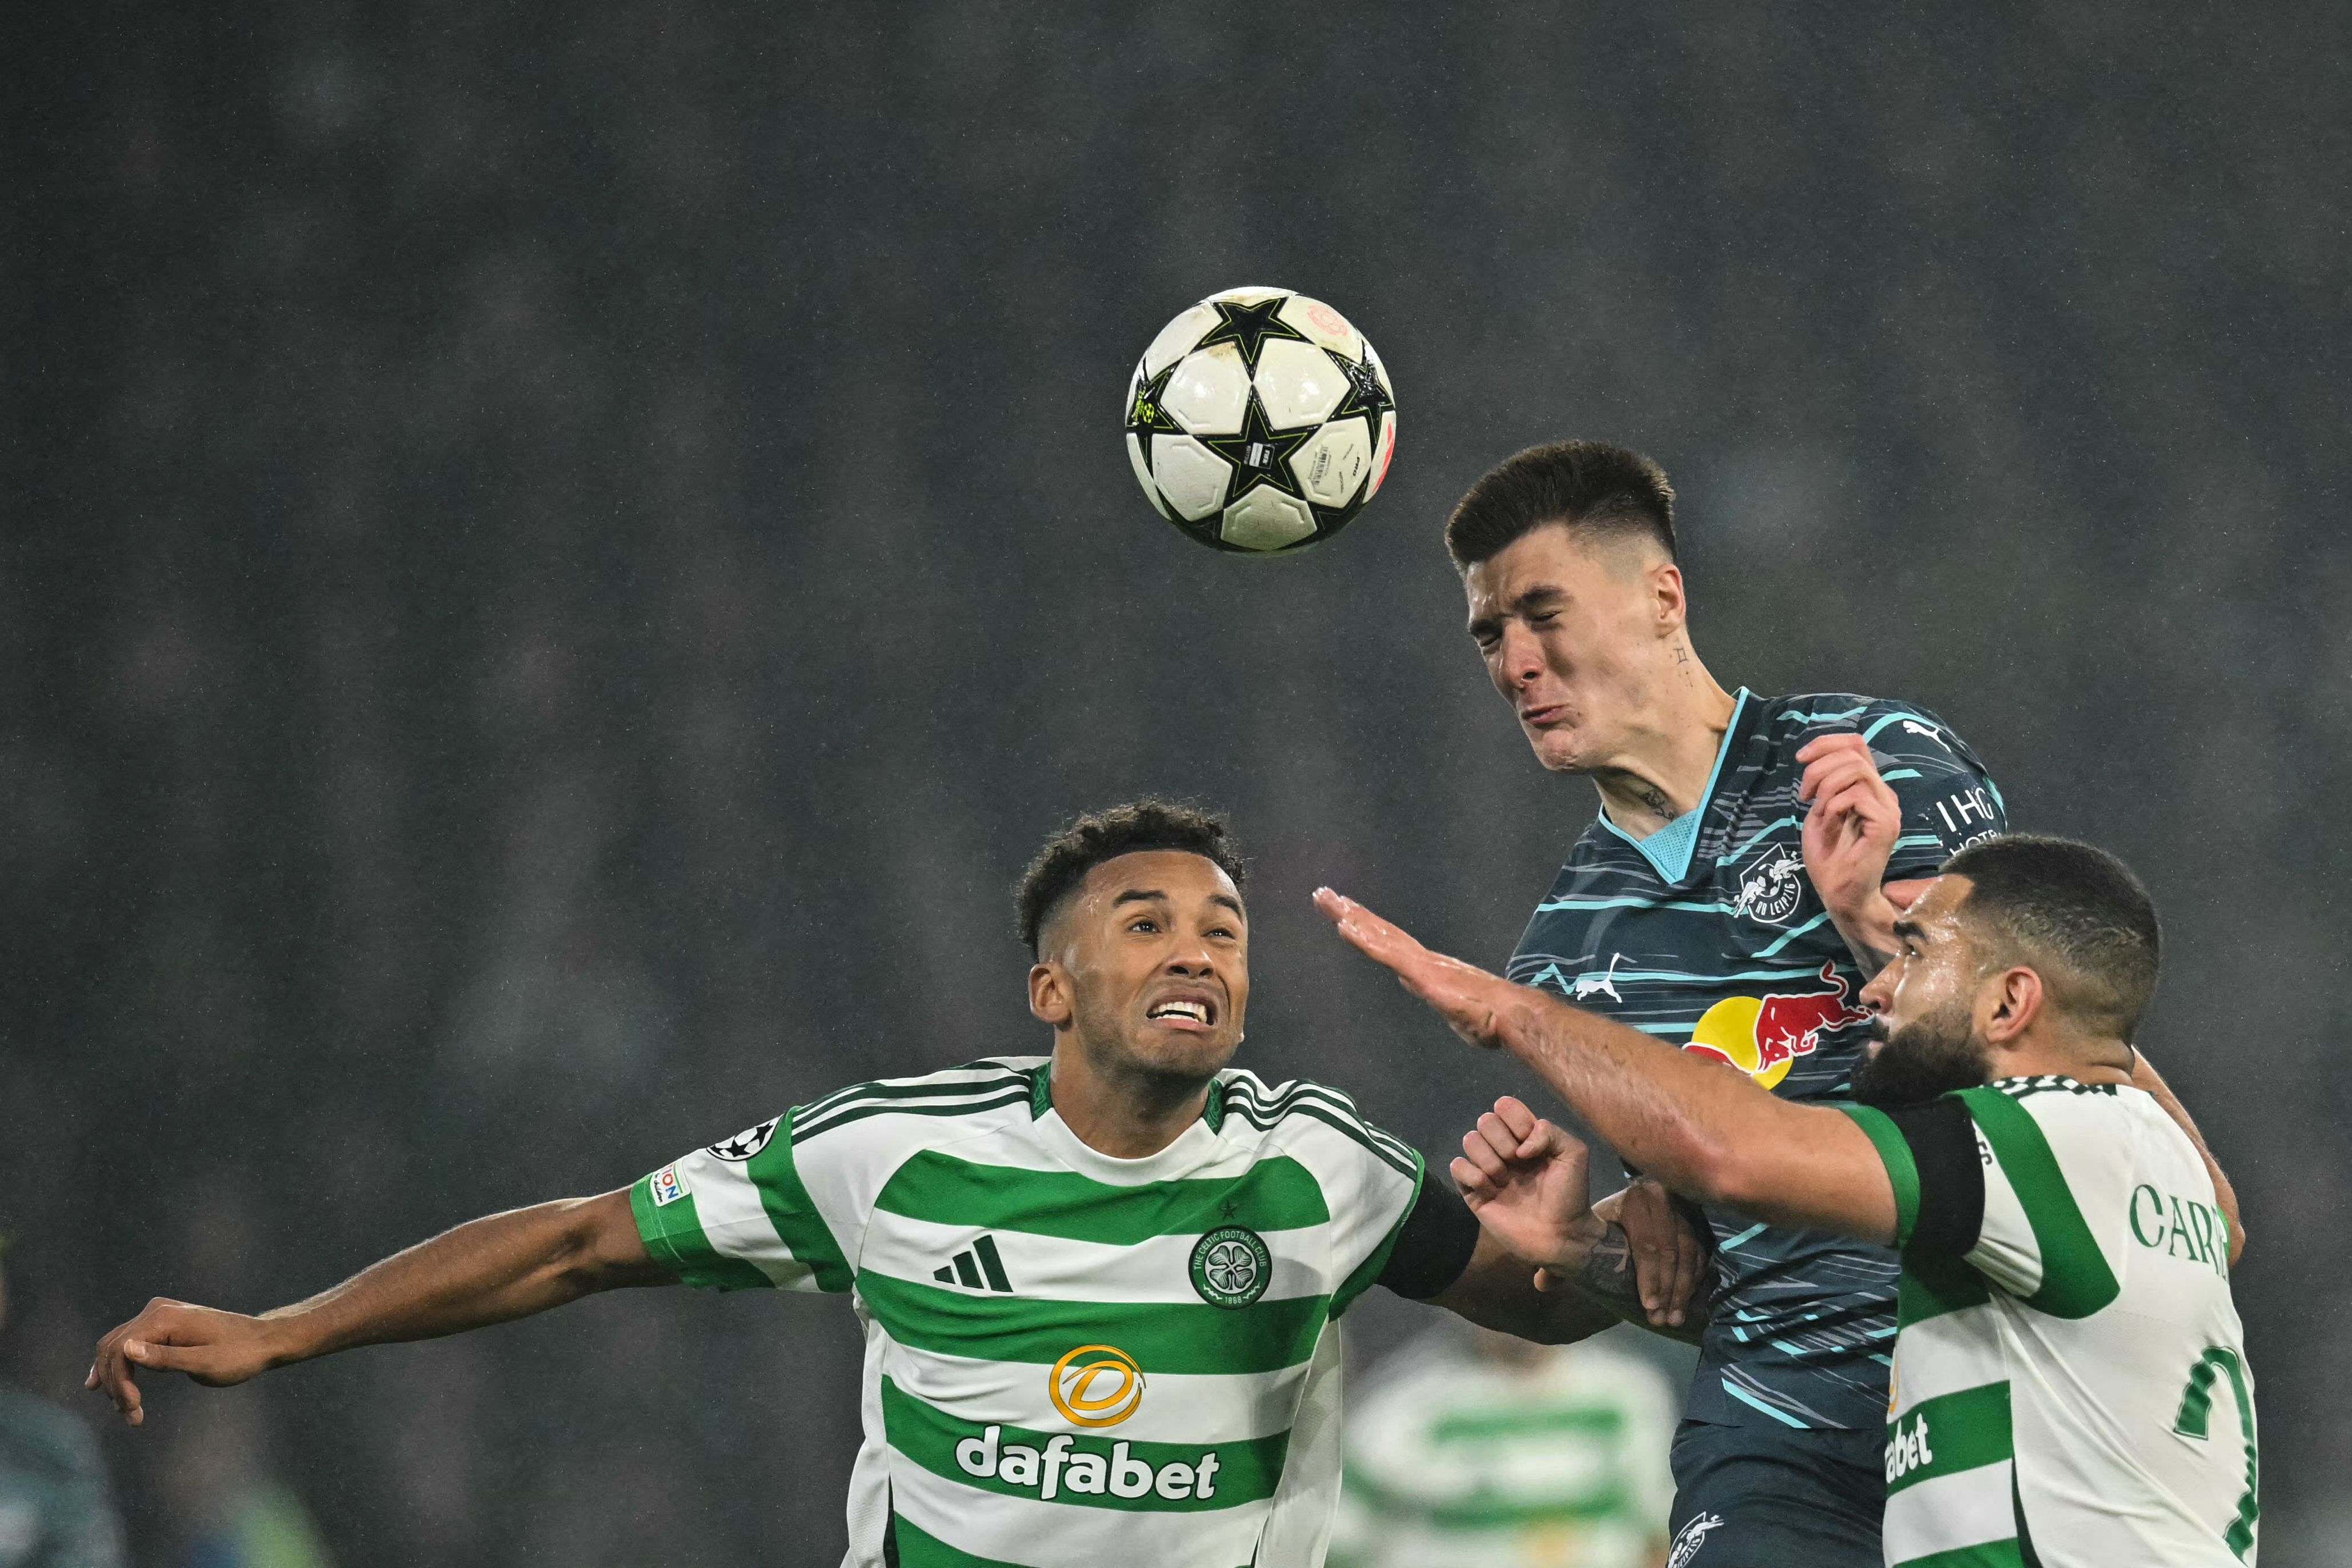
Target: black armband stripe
(1943,1141)
(1434,1244)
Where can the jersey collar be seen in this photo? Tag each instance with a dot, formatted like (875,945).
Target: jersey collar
(1669,850)
(1192,1148)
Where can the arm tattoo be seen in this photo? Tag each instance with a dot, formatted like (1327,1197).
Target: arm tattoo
(1607,1280)
(1607,1276)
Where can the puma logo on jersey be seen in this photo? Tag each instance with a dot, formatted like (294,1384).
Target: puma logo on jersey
(1600,984)
(1908,1451)
(979,1269)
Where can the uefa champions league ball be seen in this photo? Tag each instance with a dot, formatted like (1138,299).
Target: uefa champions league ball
(1260,421)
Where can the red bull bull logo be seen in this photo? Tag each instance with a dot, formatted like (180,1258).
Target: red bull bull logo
(1761,1035)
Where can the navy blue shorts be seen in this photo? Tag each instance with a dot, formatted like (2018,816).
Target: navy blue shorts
(1766,1497)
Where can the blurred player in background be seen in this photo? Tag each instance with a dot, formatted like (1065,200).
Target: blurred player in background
(1472,1450)
(2070,1387)
(55,1511)
(1100,1289)
(1737,888)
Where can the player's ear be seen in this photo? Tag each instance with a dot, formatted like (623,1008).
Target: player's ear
(1049,993)
(2010,1003)
(1666,592)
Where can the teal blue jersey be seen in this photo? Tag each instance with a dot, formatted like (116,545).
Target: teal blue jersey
(1709,936)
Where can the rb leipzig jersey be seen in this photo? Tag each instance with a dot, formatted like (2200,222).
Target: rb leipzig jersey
(1708,935)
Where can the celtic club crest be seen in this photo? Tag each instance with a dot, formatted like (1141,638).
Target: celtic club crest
(1231,1267)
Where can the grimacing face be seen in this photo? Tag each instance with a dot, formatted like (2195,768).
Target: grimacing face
(1153,949)
(1569,628)
(1927,1042)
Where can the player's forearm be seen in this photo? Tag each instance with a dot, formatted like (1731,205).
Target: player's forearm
(1681,1121)
(1606,1277)
(1497,1290)
(1867,926)
(489,1270)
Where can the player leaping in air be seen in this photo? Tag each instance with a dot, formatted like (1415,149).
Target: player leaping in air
(1737,888)
(1100,1289)
(2070,1387)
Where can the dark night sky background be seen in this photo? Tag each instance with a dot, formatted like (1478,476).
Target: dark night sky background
(554,561)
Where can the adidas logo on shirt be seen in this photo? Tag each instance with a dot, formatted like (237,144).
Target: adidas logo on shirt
(979,1269)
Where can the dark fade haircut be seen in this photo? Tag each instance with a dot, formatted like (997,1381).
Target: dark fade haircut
(1609,492)
(2056,903)
(1099,835)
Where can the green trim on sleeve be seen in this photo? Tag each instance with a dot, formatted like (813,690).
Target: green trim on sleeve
(1895,1153)
(2075,1278)
(1361,1280)
(775,1173)
(672,1233)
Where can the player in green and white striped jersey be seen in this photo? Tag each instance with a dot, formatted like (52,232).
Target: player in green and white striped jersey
(1101,1290)
(2070,1380)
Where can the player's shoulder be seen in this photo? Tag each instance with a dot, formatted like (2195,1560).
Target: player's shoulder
(973,1093)
(1299,1114)
(1893,727)
(2050,1115)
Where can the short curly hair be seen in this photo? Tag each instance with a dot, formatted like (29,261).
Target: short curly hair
(1058,868)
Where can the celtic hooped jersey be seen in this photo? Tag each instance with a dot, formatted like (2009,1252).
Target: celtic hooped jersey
(1552,1457)
(1070,1359)
(2071,1387)
(1708,935)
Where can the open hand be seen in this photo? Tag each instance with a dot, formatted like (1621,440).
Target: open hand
(1525,1179)
(1670,1260)
(212,1347)
(1467,996)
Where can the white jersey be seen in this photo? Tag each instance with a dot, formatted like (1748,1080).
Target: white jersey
(1071,1360)
(2070,1385)
(1552,1457)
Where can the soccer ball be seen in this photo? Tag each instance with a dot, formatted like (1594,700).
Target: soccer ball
(1260,421)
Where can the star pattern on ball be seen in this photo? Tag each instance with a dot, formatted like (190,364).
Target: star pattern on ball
(1366,397)
(1145,415)
(1247,327)
(1260,454)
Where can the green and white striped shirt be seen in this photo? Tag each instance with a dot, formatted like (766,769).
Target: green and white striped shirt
(1552,1458)
(1070,1359)
(2070,1381)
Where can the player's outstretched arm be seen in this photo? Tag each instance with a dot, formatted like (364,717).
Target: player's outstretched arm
(1707,1133)
(487,1271)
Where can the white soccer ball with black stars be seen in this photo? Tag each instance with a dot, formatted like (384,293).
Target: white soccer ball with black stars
(1260,421)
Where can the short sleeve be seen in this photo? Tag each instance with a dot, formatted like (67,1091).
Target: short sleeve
(2034,1243)
(738,1216)
(1369,1178)
(1948,800)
